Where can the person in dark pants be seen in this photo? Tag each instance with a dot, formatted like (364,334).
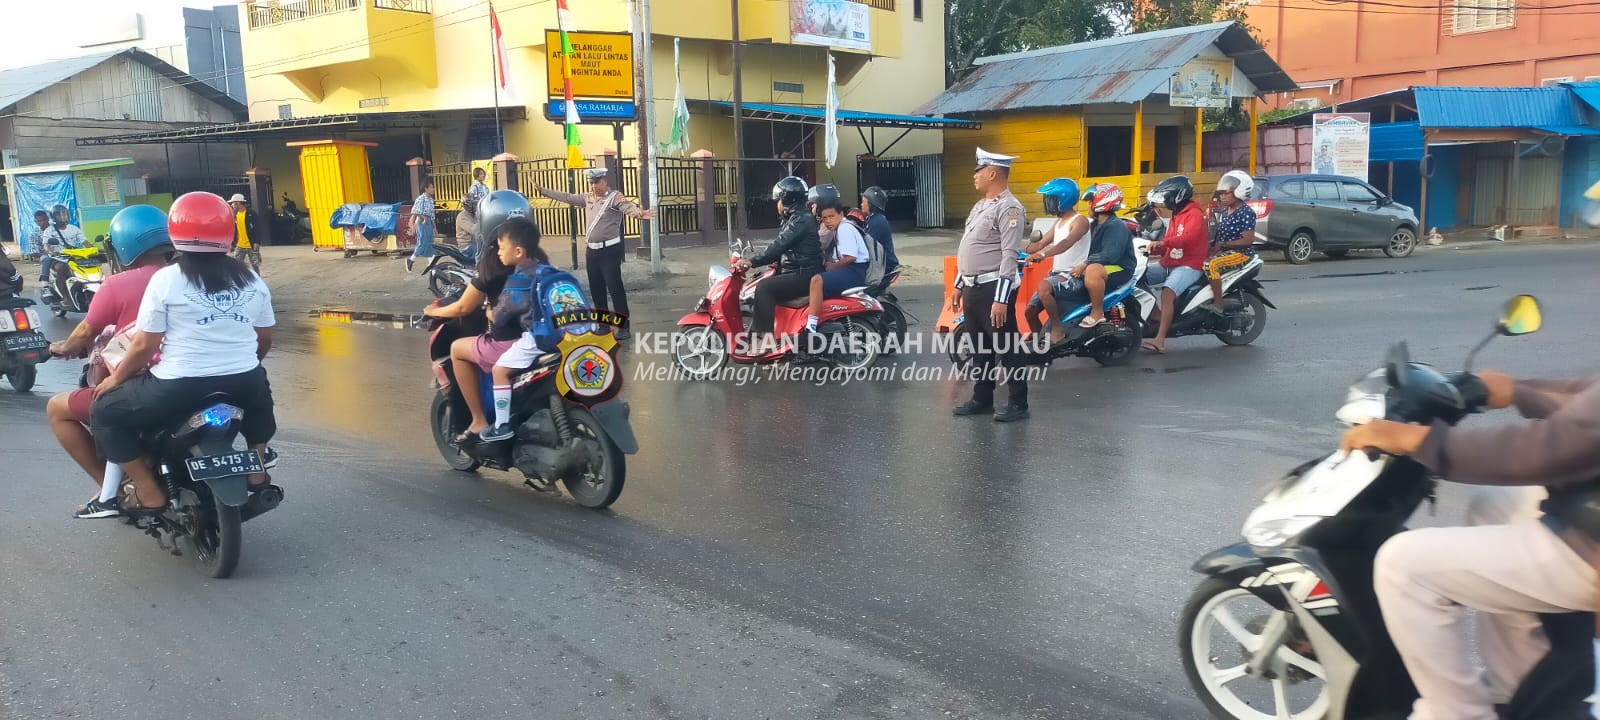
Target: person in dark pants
(798,249)
(987,278)
(604,210)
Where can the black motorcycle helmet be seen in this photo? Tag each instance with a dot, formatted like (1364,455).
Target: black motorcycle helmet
(1173,192)
(823,197)
(877,199)
(498,207)
(791,191)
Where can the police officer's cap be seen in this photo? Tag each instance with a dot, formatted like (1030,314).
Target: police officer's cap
(597,174)
(989,159)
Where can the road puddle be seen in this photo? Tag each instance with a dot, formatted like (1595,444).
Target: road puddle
(392,321)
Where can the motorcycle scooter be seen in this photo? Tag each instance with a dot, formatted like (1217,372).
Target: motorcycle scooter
(1245,305)
(716,331)
(22,345)
(72,291)
(556,440)
(1293,607)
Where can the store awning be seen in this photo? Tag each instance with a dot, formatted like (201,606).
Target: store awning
(809,115)
(299,128)
(1571,130)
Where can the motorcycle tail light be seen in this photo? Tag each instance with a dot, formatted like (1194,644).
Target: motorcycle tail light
(20,318)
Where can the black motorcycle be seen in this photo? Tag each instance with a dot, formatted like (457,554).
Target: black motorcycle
(450,271)
(207,483)
(1290,617)
(293,225)
(556,440)
(22,345)
(892,322)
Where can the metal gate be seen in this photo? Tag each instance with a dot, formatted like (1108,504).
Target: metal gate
(930,190)
(1538,191)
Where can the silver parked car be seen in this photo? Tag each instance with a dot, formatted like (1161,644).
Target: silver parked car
(1331,214)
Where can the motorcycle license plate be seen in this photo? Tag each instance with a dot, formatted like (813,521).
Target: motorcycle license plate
(25,342)
(221,466)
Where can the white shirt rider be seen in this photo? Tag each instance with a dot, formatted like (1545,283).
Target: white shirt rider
(848,241)
(207,335)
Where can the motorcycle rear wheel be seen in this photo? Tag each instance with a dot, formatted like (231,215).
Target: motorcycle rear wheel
(864,335)
(22,377)
(439,418)
(598,487)
(893,323)
(1125,355)
(217,538)
(1255,311)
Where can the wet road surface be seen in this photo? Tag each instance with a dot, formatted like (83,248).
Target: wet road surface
(781,550)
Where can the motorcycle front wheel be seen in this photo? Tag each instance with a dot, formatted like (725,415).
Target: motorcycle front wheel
(1221,627)
(440,417)
(448,279)
(606,470)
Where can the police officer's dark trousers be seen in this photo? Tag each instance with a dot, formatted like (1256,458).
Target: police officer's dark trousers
(605,276)
(987,340)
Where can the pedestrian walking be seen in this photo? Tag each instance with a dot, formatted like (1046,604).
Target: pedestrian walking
(604,210)
(987,278)
(245,248)
(467,219)
(422,213)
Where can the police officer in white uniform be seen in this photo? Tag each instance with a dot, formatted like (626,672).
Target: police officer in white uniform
(987,279)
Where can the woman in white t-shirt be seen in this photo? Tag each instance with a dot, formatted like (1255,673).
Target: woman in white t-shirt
(210,318)
(1061,242)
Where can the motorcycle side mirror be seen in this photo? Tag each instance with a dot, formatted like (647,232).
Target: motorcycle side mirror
(1395,364)
(1521,315)
(1035,236)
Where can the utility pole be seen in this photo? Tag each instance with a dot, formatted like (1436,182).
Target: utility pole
(645,69)
(738,121)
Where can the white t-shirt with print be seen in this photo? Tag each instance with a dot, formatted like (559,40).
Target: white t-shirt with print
(848,241)
(207,335)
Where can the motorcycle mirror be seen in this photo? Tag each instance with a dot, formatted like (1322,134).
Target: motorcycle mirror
(1520,316)
(1395,364)
(1035,236)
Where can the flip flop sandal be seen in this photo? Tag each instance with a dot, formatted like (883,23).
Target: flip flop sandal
(468,438)
(1151,347)
(1088,323)
(128,502)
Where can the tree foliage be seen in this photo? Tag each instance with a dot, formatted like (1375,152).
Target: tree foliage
(978,28)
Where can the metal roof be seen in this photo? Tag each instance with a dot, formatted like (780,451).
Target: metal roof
(808,115)
(297,128)
(1497,107)
(18,84)
(1123,69)
(1588,91)
(69,166)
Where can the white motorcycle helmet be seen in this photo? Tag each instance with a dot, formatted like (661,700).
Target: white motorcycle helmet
(1239,183)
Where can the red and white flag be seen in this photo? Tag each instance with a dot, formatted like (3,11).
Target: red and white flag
(499,48)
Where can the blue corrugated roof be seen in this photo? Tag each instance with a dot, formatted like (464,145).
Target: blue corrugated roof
(1588,91)
(1395,142)
(1123,69)
(1507,107)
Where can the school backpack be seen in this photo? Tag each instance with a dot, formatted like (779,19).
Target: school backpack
(875,265)
(557,291)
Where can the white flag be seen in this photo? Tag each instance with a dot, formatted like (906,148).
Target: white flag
(831,119)
(677,143)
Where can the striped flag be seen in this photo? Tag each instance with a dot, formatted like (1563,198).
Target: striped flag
(678,143)
(499,48)
(564,22)
(830,121)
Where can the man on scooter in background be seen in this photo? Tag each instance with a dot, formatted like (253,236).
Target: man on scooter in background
(1060,242)
(1182,251)
(875,205)
(800,251)
(1508,568)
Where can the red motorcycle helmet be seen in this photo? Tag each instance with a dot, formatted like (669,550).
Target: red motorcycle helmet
(201,222)
(1105,198)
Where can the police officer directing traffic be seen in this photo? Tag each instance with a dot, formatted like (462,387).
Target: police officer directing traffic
(604,210)
(987,278)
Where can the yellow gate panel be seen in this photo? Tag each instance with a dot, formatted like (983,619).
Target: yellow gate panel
(333,172)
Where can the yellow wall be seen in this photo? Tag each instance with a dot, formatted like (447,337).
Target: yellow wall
(1048,144)
(307,65)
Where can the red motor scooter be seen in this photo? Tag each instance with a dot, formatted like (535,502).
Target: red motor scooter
(716,332)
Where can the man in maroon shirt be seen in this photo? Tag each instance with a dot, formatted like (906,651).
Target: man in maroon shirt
(1182,251)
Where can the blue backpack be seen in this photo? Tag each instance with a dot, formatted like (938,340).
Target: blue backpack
(557,292)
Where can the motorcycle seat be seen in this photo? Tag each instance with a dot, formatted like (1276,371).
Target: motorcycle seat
(15,302)
(855,292)
(798,302)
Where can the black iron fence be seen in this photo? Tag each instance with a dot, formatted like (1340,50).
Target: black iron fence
(224,185)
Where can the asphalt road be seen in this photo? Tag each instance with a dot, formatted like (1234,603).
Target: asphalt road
(781,550)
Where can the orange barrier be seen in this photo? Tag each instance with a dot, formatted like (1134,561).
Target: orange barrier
(1032,275)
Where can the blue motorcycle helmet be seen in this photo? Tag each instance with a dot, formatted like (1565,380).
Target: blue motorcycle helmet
(136,230)
(1060,195)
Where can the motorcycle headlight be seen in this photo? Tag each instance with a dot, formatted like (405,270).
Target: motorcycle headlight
(1277,531)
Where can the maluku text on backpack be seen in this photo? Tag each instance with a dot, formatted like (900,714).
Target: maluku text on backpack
(557,292)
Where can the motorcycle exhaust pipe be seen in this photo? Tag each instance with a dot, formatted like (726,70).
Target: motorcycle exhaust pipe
(261,501)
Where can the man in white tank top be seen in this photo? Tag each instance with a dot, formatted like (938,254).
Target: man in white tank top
(1059,241)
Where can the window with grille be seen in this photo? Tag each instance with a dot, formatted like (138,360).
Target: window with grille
(1470,16)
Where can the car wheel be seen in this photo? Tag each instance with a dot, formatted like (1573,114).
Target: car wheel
(1401,243)
(1299,248)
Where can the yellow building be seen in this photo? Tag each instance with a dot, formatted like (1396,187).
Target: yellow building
(1102,111)
(416,76)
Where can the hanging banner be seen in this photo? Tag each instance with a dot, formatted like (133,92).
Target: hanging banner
(40,192)
(1341,144)
(1204,82)
(602,65)
(831,23)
